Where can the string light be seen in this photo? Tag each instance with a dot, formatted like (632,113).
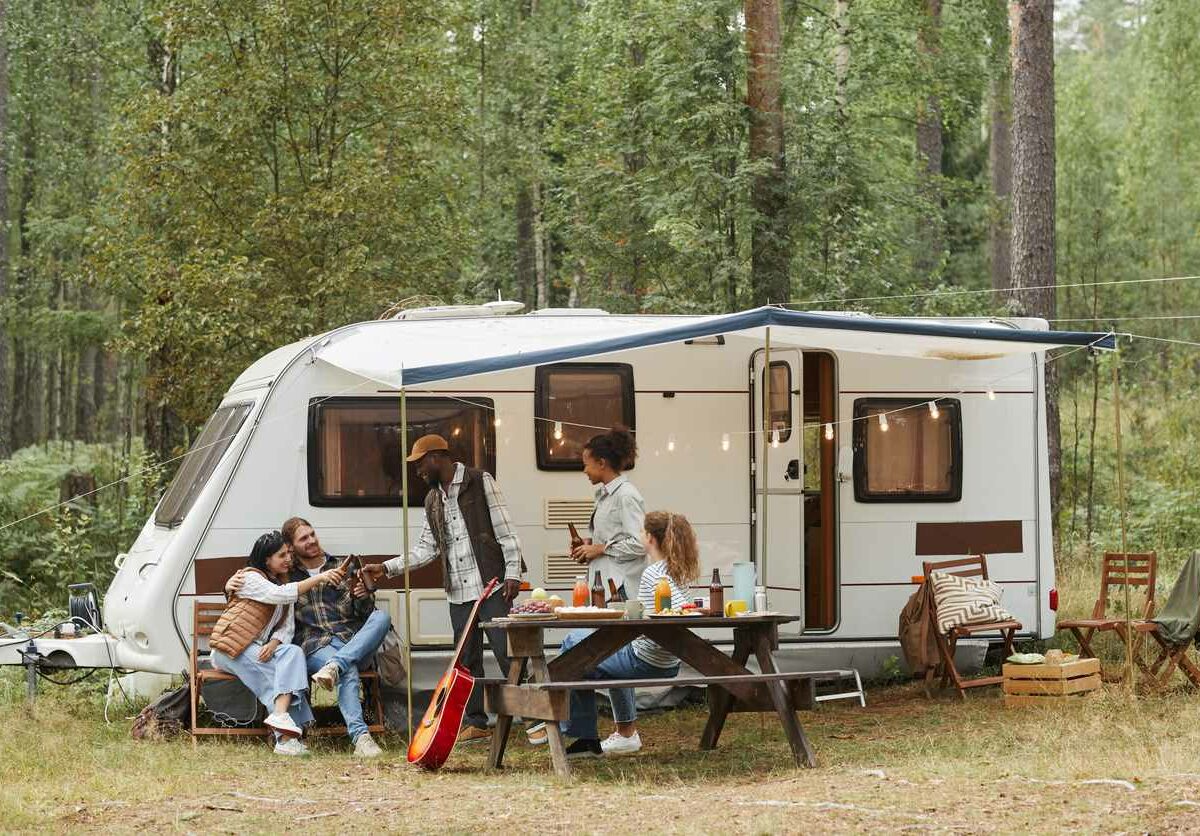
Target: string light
(933,410)
(496,421)
(883,424)
(775,437)
(725,442)
(671,443)
(558,430)
(991,394)
(829,432)
(457,432)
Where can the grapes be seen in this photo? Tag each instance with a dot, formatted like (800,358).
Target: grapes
(531,607)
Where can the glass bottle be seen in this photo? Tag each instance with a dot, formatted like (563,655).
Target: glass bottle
(662,595)
(581,592)
(716,594)
(597,591)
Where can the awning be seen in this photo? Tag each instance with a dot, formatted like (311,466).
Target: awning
(411,352)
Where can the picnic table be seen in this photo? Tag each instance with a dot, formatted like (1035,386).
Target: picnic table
(731,685)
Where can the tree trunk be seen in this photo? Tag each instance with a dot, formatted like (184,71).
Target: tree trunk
(769,244)
(540,259)
(1000,163)
(6,447)
(1000,167)
(1033,277)
(526,250)
(931,238)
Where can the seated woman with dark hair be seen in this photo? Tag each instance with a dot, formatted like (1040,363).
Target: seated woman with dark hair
(252,639)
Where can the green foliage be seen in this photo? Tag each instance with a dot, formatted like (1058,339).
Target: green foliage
(76,542)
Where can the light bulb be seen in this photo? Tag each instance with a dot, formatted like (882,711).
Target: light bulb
(829,432)
(496,422)
(671,444)
(991,394)
(933,410)
(775,437)
(883,424)
(558,430)
(456,432)
(725,442)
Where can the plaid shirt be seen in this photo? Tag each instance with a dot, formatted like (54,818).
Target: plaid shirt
(465,583)
(326,611)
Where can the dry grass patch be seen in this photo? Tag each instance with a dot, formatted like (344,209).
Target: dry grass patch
(903,763)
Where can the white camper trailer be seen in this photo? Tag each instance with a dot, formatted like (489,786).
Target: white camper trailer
(887,441)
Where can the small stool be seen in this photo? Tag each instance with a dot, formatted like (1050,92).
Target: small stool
(837,676)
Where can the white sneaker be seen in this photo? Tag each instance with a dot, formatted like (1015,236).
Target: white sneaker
(619,744)
(366,747)
(283,723)
(290,746)
(327,677)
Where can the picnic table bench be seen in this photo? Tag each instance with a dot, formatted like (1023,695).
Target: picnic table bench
(731,685)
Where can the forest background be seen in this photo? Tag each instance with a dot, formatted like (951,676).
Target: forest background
(189,184)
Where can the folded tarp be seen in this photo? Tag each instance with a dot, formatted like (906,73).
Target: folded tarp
(1179,618)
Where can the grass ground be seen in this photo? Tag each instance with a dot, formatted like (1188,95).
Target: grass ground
(1112,763)
(903,763)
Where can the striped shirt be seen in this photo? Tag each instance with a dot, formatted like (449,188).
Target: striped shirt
(643,648)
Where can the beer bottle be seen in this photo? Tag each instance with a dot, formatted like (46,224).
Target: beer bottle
(597,591)
(716,595)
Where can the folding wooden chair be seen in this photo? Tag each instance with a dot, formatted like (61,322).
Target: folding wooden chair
(967,567)
(1173,655)
(1142,572)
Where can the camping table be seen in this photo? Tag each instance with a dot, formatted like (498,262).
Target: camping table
(732,687)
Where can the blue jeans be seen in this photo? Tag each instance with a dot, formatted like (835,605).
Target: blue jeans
(349,657)
(283,673)
(624,664)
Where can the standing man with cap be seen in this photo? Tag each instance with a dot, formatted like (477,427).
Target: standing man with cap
(468,529)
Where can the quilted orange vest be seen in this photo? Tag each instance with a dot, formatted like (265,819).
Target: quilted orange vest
(240,624)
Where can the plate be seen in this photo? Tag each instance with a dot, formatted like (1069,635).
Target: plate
(531,616)
(589,615)
(674,615)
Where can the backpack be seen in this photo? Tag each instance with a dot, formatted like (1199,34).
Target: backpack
(167,716)
(389,659)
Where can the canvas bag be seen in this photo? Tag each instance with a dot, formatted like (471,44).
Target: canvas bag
(167,716)
(389,659)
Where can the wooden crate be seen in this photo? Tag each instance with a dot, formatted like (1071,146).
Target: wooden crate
(1050,684)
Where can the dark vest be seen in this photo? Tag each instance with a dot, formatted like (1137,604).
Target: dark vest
(472,503)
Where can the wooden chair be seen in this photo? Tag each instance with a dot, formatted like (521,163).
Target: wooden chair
(1142,572)
(967,567)
(204,619)
(1171,654)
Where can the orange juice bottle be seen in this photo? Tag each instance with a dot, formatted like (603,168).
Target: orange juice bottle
(581,594)
(662,595)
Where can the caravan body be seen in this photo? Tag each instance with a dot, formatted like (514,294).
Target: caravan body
(853,478)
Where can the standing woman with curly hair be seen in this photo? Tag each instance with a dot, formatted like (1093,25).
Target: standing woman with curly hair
(671,544)
(615,547)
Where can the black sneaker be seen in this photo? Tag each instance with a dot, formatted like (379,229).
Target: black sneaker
(584,747)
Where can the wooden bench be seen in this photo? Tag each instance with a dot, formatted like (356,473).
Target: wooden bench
(204,619)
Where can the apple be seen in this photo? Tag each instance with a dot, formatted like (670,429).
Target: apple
(540,594)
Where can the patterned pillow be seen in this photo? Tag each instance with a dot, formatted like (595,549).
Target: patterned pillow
(963,601)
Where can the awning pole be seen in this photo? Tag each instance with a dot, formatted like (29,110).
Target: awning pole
(766,446)
(404,551)
(1116,380)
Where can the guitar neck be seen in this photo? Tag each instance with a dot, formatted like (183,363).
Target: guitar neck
(466,633)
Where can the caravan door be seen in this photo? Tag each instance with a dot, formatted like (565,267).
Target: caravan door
(778,481)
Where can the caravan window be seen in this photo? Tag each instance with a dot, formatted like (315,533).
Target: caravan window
(200,463)
(354,455)
(781,399)
(575,401)
(909,456)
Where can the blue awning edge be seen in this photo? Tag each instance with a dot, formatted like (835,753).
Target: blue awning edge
(756,318)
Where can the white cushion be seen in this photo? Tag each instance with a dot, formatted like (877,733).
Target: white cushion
(961,601)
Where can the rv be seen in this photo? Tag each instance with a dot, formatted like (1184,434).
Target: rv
(833,451)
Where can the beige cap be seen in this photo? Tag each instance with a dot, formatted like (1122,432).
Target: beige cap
(428,444)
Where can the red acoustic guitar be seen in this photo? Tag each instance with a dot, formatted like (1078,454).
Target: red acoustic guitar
(437,733)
